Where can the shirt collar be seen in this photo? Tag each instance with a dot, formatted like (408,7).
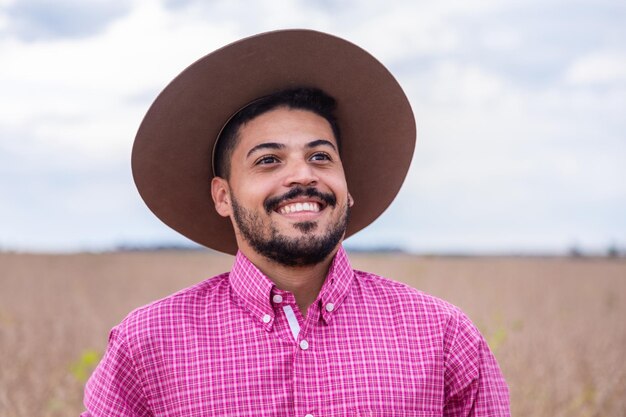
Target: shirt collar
(255,289)
(336,285)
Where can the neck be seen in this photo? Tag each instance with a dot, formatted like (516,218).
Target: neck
(304,282)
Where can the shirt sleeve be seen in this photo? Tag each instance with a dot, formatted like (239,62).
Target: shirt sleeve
(114,388)
(474,384)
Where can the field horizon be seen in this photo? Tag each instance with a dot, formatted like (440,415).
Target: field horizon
(555,323)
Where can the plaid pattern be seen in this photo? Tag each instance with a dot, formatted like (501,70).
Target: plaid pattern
(368,347)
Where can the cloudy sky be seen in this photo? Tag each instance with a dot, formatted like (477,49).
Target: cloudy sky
(520,109)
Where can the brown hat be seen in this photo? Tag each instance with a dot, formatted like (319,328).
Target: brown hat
(172,154)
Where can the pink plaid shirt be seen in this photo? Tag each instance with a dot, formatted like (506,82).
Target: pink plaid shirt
(230,346)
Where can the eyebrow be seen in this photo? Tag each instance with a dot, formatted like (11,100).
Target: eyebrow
(268,145)
(321,142)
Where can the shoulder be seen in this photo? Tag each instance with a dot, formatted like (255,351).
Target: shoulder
(169,312)
(415,308)
(403,296)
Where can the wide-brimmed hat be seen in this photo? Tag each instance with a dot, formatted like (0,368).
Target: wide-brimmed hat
(172,153)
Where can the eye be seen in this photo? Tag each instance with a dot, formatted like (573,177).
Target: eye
(266,160)
(320,156)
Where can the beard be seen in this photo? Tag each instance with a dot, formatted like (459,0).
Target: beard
(305,250)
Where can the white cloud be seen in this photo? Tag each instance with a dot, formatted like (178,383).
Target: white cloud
(75,92)
(602,67)
(502,38)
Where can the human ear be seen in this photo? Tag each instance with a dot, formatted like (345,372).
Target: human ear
(350,200)
(221,196)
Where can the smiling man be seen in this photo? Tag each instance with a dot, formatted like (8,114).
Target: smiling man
(275,149)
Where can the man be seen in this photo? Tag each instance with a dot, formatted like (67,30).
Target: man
(275,148)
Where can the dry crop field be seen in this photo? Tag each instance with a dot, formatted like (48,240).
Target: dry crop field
(556,325)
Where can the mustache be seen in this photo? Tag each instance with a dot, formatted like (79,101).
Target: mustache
(272,203)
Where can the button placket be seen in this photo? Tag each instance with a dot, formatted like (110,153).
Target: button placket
(304,381)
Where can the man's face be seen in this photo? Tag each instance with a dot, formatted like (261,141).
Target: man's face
(287,194)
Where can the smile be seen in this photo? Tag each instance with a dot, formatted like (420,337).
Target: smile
(299,200)
(309,206)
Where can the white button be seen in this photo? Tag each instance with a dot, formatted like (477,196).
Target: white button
(309,415)
(266,318)
(330,307)
(277,298)
(304,345)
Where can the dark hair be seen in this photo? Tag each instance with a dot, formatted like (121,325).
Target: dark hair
(312,99)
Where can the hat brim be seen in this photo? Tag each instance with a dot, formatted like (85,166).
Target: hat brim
(172,153)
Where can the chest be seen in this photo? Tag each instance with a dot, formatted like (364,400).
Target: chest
(375,364)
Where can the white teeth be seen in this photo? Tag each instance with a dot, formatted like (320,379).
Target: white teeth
(298,207)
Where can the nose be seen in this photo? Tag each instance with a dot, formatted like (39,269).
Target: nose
(300,173)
